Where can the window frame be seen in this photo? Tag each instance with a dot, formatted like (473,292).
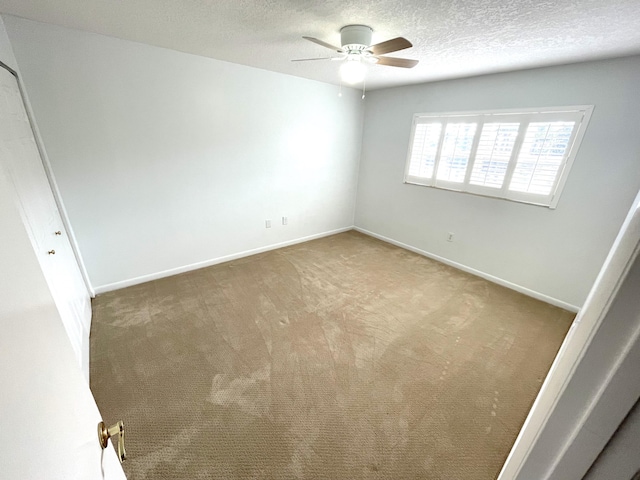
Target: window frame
(580,114)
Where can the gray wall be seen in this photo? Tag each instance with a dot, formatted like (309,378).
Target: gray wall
(556,253)
(166,160)
(621,458)
(6,52)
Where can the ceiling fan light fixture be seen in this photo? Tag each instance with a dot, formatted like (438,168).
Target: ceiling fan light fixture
(356,36)
(352,71)
(357,52)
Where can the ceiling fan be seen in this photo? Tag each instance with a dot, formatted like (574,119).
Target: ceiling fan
(356,51)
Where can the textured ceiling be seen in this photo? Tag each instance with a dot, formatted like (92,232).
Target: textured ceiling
(452,38)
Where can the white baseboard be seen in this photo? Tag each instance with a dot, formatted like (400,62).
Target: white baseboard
(227,258)
(505,283)
(214,261)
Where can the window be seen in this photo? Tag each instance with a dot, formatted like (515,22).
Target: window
(522,155)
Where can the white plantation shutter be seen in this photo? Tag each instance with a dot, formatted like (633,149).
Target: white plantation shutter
(493,154)
(424,149)
(541,156)
(518,155)
(455,152)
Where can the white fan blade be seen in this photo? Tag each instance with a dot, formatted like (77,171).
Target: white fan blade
(311,59)
(324,44)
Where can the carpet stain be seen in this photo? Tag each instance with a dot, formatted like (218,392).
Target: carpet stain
(343,357)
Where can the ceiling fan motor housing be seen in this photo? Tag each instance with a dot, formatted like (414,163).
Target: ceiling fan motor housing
(355,38)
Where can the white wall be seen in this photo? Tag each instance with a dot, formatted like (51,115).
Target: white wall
(556,253)
(165,159)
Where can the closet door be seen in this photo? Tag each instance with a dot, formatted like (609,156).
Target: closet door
(20,160)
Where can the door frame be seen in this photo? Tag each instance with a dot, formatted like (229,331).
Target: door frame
(52,180)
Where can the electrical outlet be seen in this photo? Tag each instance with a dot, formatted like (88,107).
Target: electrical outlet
(284,220)
(267,223)
(450,237)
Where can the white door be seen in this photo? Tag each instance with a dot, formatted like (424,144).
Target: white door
(48,418)
(22,164)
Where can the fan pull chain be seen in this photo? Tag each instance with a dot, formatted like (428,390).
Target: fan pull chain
(364,83)
(340,90)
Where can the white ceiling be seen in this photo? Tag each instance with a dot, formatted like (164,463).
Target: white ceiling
(451,38)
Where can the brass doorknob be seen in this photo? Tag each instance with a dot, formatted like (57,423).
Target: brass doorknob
(51,252)
(58,232)
(105,434)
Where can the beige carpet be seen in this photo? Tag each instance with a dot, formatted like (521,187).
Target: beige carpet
(340,358)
